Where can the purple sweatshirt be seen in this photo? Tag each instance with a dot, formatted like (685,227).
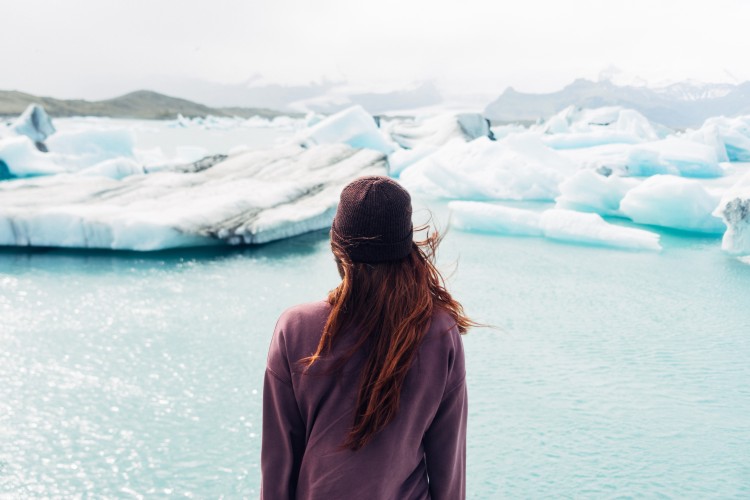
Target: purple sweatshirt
(421,454)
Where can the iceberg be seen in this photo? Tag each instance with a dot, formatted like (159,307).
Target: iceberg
(588,191)
(22,158)
(35,124)
(673,156)
(582,127)
(730,137)
(673,202)
(519,167)
(63,152)
(353,126)
(420,137)
(490,218)
(591,229)
(249,198)
(400,159)
(437,130)
(86,147)
(734,209)
(116,168)
(563,225)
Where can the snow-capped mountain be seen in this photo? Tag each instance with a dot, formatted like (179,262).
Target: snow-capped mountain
(678,105)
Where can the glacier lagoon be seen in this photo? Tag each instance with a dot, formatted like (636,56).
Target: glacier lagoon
(610,373)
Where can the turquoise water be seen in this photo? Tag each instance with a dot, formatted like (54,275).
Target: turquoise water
(610,374)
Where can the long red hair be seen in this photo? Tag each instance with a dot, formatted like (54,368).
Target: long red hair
(388,306)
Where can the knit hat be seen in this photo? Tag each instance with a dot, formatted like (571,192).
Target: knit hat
(373,220)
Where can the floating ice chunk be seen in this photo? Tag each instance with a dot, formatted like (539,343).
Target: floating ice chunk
(710,136)
(563,225)
(22,158)
(490,218)
(86,147)
(674,156)
(729,136)
(674,202)
(586,140)
(34,123)
(503,131)
(519,167)
(251,197)
(116,168)
(591,229)
(587,191)
(734,209)
(353,126)
(400,159)
(600,126)
(436,130)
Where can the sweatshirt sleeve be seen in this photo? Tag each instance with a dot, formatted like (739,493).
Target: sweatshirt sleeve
(445,439)
(283,438)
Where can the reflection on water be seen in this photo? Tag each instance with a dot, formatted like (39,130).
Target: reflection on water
(611,373)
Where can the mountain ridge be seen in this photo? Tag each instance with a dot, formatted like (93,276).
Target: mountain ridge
(140,104)
(680,105)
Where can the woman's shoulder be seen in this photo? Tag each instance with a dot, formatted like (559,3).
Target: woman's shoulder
(443,326)
(303,314)
(303,322)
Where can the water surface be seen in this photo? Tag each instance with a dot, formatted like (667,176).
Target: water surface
(610,373)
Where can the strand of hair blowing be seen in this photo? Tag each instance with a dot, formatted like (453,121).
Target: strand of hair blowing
(389,306)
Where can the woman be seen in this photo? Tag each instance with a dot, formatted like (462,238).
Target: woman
(364,394)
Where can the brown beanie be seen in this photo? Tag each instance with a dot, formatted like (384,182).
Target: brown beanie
(373,220)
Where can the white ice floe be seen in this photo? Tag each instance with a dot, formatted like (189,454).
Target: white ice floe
(519,167)
(68,152)
(734,209)
(674,156)
(673,202)
(401,158)
(353,126)
(562,225)
(422,136)
(436,130)
(588,191)
(730,137)
(116,168)
(230,123)
(253,197)
(22,158)
(582,127)
(34,123)
(490,218)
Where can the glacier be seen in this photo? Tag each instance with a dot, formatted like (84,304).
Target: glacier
(253,197)
(557,224)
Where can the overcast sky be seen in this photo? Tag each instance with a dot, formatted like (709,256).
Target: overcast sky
(97,48)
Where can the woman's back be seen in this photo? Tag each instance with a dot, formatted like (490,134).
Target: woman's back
(364,394)
(308,414)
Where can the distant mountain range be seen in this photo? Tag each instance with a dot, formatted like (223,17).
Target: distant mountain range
(142,104)
(680,105)
(320,97)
